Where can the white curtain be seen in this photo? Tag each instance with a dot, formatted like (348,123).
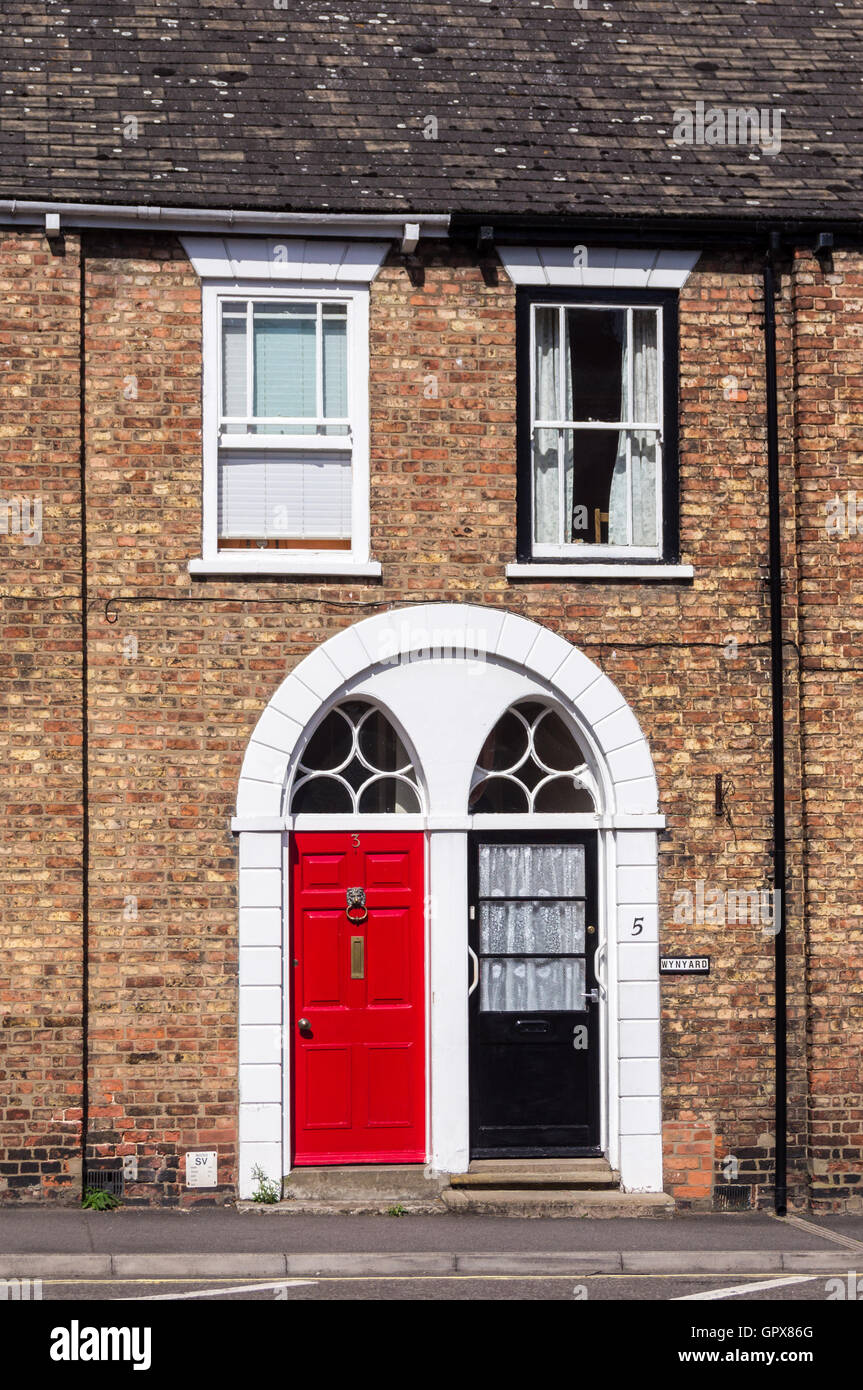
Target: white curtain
(531,871)
(537,928)
(643,446)
(645,406)
(550,446)
(535,986)
(525,875)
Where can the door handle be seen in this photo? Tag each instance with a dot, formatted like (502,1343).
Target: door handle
(303,1024)
(599,955)
(475,959)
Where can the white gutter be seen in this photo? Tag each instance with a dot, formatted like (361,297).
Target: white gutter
(16,211)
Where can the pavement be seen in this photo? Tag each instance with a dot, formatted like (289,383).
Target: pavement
(219,1243)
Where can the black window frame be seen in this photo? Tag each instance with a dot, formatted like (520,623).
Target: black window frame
(668,301)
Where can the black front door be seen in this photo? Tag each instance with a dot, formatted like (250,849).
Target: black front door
(534,1034)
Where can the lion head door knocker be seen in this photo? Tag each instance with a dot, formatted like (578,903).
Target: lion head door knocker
(356,901)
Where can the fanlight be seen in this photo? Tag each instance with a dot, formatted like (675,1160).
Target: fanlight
(355,764)
(531,762)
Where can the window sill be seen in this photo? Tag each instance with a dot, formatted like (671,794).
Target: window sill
(253,562)
(618,570)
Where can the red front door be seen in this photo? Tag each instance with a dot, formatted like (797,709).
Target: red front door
(357,998)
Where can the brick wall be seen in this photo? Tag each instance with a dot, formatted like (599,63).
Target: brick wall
(828,321)
(40,735)
(180,671)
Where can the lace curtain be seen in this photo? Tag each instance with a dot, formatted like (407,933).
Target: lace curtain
(642,442)
(535,927)
(536,986)
(553,448)
(532,949)
(531,871)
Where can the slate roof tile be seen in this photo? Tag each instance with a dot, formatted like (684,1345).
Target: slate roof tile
(540,106)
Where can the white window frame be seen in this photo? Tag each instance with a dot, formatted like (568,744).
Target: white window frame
(355,562)
(584,550)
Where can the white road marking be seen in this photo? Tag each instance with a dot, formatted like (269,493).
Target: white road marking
(746,1288)
(836,1237)
(217,1293)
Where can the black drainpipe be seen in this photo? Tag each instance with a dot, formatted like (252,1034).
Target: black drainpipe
(777,712)
(85,751)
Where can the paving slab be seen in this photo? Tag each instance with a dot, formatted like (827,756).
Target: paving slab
(225,1230)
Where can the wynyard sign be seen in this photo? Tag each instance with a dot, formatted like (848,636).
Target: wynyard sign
(684,965)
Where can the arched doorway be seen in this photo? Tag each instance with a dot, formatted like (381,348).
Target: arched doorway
(443,678)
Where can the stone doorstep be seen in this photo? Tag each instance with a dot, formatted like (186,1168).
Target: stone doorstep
(334,1206)
(500,1187)
(571,1202)
(482,1201)
(538,1174)
(373,1183)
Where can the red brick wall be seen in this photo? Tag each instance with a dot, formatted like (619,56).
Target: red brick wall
(40,735)
(828,321)
(179,679)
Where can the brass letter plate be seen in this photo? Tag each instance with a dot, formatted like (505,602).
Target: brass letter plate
(358,958)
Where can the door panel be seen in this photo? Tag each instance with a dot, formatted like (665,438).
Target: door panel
(359,1066)
(389,966)
(327,1072)
(390,1085)
(534,1036)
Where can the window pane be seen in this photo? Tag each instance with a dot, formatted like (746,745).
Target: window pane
(267,494)
(561,794)
(498,796)
(643,465)
(532,986)
(322,796)
(388,795)
(329,745)
(531,871)
(234,366)
(506,745)
(285,362)
(598,515)
(548,928)
(595,358)
(546,364)
(554,745)
(547,498)
(381,746)
(335,330)
(645,366)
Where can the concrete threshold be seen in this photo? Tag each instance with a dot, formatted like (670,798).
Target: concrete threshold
(511,1201)
(360,1206)
(346,1266)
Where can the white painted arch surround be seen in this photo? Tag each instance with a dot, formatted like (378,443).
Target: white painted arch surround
(444,673)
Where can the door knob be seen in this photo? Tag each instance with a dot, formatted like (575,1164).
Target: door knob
(303,1023)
